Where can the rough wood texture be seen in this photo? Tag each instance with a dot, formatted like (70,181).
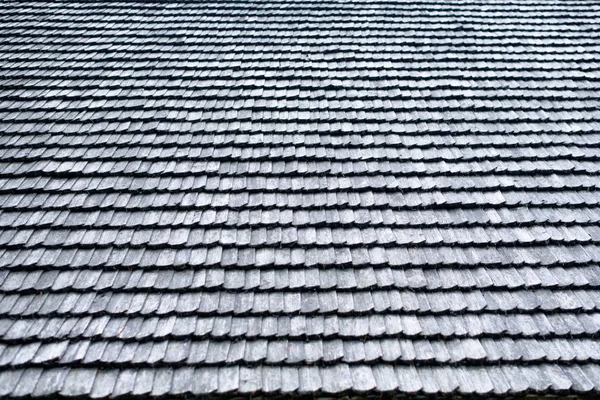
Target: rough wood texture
(288,197)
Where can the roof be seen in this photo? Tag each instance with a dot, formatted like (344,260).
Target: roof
(291,197)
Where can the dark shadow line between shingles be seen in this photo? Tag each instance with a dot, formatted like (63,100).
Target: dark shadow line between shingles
(296,245)
(371,146)
(188,266)
(390,73)
(201,189)
(247,225)
(192,336)
(216,313)
(519,94)
(262,363)
(293,158)
(187,174)
(312,289)
(396,394)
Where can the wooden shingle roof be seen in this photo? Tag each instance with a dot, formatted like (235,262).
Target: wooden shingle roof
(299,197)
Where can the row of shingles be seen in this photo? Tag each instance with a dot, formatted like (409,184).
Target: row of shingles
(382,207)
(138,111)
(277,101)
(298,174)
(471,96)
(406,21)
(444,87)
(315,47)
(249,257)
(427,70)
(318,77)
(354,183)
(150,72)
(407,24)
(356,113)
(525,10)
(386,14)
(220,161)
(516,35)
(186,6)
(288,155)
(25,329)
(334,111)
(404,24)
(408,31)
(194,192)
(425,20)
(283,121)
(350,186)
(101,383)
(376,240)
(135,215)
(280,303)
(281,153)
(439,53)
(507,32)
(379,53)
(242,140)
(175,50)
(487,351)
(336,123)
(386,50)
(315,12)
(586,48)
(448,39)
(361,278)
(335,128)
(383,55)
(236,152)
(285,302)
(335,208)
(312,101)
(365,191)
(422,94)
(332,133)
(271,12)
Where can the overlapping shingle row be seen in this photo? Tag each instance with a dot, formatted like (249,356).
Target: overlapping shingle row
(291,197)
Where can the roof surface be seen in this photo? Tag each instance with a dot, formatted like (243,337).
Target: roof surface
(299,196)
